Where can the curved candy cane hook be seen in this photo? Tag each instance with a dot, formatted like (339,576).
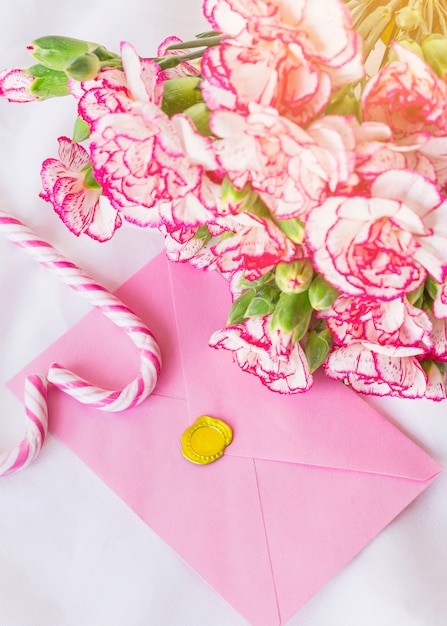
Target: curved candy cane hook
(35,387)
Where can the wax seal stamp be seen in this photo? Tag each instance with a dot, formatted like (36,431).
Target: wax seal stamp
(205,441)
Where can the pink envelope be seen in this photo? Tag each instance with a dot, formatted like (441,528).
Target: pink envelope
(308,481)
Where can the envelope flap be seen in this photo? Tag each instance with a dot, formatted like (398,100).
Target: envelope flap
(329,426)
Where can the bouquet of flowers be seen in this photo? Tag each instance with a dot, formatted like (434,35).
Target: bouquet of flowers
(299,148)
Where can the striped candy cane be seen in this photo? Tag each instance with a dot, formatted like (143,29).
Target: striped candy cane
(65,380)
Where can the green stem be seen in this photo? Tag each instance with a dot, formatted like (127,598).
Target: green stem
(197,43)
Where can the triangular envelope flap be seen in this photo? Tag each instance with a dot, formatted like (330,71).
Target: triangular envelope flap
(328,426)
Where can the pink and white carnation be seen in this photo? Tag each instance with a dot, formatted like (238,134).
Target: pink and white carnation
(83,209)
(278,361)
(370,371)
(282,162)
(288,57)
(384,245)
(142,157)
(396,324)
(182,69)
(15,86)
(256,247)
(407,96)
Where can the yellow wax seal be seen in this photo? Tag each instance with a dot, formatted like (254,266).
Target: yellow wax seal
(205,441)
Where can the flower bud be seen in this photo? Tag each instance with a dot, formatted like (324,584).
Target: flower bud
(294,277)
(434,48)
(293,229)
(237,199)
(292,314)
(47,83)
(322,294)
(199,114)
(318,346)
(83,67)
(180,94)
(407,19)
(55,52)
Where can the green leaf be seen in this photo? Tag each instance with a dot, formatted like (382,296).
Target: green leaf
(431,287)
(81,130)
(263,303)
(317,350)
(321,294)
(239,307)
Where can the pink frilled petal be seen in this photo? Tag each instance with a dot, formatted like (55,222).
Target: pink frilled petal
(183,69)
(283,163)
(381,246)
(256,249)
(231,16)
(407,96)
(436,384)
(422,197)
(117,91)
(358,251)
(279,363)
(394,324)
(332,39)
(142,76)
(15,84)
(289,55)
(82,209)
(372,373)
(104,220)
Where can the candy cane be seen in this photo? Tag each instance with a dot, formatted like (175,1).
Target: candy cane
(36,426)
(80,389)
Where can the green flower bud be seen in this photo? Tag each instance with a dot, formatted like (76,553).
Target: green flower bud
(83,67)
(47,83)
(292,314)
(55,52)
(434,48)
(180,94)
(199,114)
(322,294)
(293,229)
(295,276)
(408,19)
(238,199)
(318,346)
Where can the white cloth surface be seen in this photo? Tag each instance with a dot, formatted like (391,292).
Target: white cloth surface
(71,553)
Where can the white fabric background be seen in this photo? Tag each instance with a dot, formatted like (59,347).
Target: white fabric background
(71,553)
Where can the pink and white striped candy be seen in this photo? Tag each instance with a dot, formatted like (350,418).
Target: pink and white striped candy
(80,389)
(35,430)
